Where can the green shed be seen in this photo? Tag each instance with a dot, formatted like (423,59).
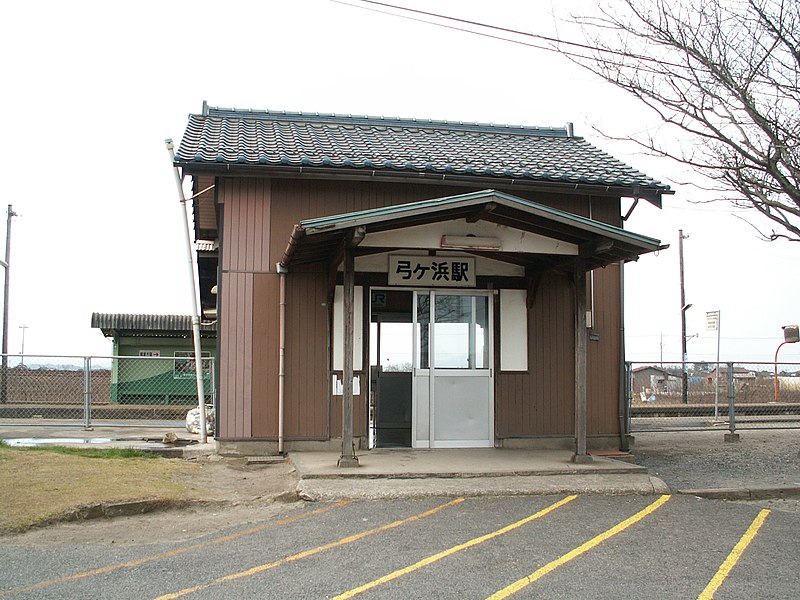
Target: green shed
(153,357)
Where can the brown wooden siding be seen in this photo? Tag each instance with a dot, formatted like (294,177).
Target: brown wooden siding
(265,356)
(603,370)
(205,209)
(306,403)
(259,215)
(246,225)
(360,410)
(541,401)
(236,343)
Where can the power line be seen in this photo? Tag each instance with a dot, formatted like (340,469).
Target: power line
(550,40)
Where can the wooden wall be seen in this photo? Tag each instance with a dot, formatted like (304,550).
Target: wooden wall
(258,217)
(541,401)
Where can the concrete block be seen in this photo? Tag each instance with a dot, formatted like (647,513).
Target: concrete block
(582,459)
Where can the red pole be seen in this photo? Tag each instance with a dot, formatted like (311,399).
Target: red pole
(776,369)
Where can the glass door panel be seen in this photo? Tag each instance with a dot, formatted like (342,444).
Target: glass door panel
(452,332)
(422,330)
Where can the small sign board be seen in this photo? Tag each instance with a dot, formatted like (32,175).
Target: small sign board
(791,334)
(432,271)
(184,364)
(712,320)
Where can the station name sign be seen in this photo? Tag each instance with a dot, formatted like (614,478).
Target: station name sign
(432,271)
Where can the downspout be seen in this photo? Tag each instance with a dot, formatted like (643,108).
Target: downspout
(282,270)
(624,444)
(623,374)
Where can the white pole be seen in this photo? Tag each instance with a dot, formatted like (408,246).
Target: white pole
(198,361)
(716,384)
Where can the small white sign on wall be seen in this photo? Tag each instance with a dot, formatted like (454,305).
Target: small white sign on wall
(513,330)
(338,328)
(337,389)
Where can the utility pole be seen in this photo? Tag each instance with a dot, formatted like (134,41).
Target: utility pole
(4,389)
(684,308)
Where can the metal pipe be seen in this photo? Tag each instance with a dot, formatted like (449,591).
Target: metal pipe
(777,386)
(282,353)
(684,307)
(623,370)
(731,400)
(198,361)
(716,382)
(87,391)
(4,391)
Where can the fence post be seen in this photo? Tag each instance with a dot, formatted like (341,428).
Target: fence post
(732,436)
(4,380)
(87,392)
(628,395)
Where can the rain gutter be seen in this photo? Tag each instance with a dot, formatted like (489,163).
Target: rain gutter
(282,270)
(652,195)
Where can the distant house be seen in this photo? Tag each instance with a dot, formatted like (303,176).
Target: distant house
(161,369)
(387,281)
(650,381)
(740,375)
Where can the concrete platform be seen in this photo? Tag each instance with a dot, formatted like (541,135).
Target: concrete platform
(400,473)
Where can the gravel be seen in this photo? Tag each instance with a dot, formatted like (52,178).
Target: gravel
(702,459)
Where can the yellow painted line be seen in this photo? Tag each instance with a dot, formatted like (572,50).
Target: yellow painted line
(306,553)
(432,559)
(171,553)
(585,547)
(734,556)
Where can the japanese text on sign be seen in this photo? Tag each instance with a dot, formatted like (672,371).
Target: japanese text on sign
(432,271)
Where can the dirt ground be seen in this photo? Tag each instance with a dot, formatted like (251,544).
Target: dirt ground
(235,481)
(227,493)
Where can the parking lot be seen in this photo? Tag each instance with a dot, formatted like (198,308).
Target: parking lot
(528,546)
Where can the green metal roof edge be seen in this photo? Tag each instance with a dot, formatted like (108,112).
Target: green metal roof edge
(353,219)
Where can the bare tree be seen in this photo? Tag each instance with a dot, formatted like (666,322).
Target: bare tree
(726,73)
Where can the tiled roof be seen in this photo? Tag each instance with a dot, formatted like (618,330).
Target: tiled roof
(154,325)
(313,141)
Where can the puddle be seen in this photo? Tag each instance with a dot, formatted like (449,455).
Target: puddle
(27,442)
(151,442)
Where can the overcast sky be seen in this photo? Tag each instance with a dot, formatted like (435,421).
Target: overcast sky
(92,89)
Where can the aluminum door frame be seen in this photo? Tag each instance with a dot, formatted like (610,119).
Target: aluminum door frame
(428,387)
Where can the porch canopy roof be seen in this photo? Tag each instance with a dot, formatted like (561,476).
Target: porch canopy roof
(599,244)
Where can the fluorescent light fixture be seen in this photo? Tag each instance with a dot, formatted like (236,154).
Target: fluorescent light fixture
(470,242)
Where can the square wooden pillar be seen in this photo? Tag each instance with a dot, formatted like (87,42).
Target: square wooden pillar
(581,455)
(348,457)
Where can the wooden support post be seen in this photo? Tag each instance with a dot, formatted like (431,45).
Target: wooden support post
(348,458)
(580,456)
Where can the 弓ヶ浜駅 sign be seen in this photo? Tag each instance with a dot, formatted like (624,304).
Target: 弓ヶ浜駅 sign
(432,271)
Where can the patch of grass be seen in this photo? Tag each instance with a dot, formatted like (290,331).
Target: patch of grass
(39,486)
(88,452)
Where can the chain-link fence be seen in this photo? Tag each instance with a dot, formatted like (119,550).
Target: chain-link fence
(728,395)
(117,390)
